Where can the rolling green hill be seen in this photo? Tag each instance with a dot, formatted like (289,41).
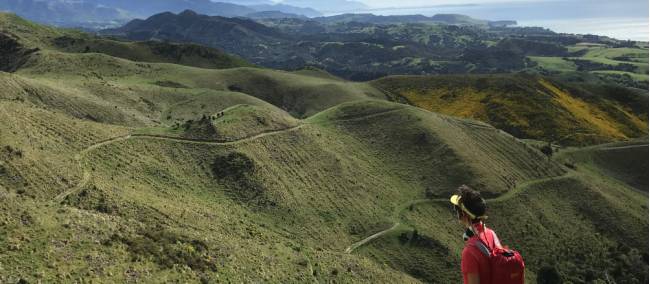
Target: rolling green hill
(529,106)
(19,36)
(627,65)
(115,170)
(625,162)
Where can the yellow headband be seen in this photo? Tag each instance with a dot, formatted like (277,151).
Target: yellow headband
(455,199)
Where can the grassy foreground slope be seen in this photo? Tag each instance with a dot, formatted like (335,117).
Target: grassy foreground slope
(113,170)
(587,225)
(297,197)
(530,106)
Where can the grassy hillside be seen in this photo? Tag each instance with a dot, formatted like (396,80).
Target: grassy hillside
(113,170)
(29,36)
(623,64)
(108,69)
(530,106)
(625,162)
(563,226)
(270,183)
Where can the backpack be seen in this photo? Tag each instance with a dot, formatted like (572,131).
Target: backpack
(506,265)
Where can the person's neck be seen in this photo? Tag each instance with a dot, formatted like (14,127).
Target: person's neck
(476,228)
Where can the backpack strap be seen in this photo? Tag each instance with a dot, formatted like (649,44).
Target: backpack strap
(478,243)
(483,246)
(497,242)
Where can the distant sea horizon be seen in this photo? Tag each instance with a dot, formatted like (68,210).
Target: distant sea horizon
(612,19)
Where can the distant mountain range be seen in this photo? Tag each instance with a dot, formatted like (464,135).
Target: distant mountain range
(67,13)
(249,2)
(287,9)
(330,6)
(97,14)
(274,15)
(101,14)
(452,19)
(366,46)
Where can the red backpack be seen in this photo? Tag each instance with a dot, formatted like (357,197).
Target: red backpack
(506,265)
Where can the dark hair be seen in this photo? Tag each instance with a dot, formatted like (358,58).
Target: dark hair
(472,200)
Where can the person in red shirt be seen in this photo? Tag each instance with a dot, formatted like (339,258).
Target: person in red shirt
(470,209)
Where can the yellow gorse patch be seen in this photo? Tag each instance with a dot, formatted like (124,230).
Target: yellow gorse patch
(591,116)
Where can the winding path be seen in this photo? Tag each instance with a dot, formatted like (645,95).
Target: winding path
(86,175)
(212,142)
(398,213)
(368,239)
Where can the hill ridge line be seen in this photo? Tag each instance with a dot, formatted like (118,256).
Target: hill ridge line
(624,147)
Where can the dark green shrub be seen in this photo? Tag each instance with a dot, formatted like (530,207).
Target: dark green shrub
(236,171)
(547,150)
(403,238)
(233,166)
(548,275)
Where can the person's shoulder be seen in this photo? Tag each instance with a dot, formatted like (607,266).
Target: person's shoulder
(491,234)
(470,246)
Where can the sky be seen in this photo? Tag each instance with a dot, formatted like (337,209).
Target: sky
(402,3)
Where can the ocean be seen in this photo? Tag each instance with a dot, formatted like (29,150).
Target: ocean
(623,19)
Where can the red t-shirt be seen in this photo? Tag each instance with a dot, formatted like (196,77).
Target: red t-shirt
(473,260)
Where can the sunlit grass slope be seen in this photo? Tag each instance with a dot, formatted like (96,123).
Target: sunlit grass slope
(626,162)
(309,193)
(580,227)
(107,77)
(530,106)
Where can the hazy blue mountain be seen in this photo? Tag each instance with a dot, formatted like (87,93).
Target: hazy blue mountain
(248,2)
(305,11)
(451,19)
(274,15)
(330,6)
(625,19)
(145,8)
(66,13)
(112,13)
(101,14)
